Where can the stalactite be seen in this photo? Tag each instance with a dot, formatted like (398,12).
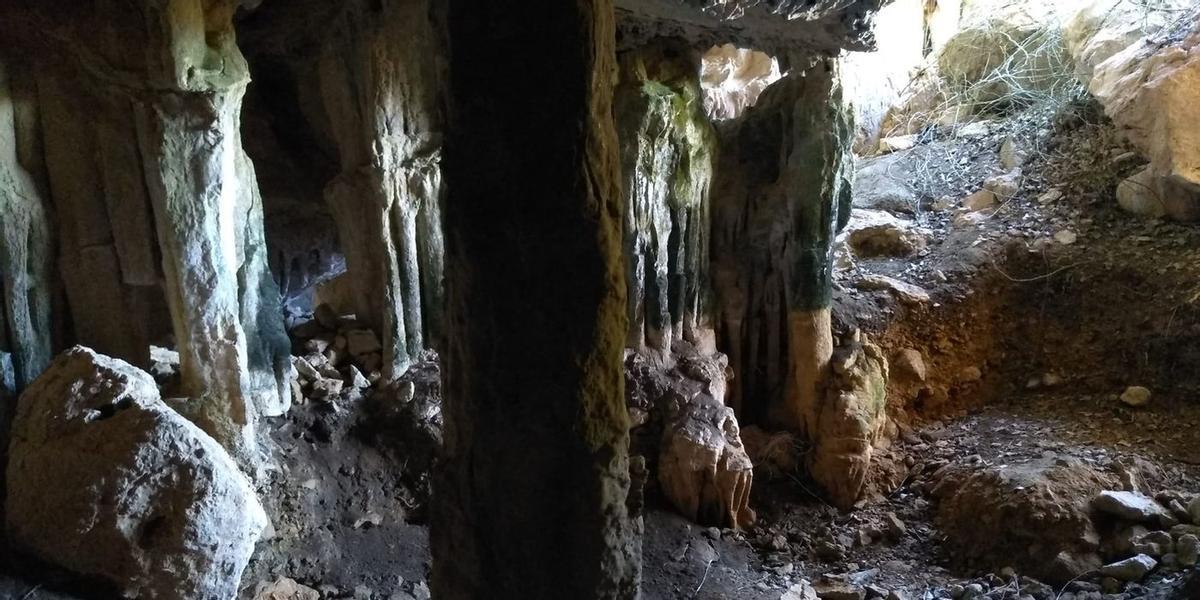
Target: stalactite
(379,83)
(783,186)
(536,443)
(667,149)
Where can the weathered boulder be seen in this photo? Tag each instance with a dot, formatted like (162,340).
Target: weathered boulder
(1133,506)
(872,233)
(106,480)
(1032,516)
(1149,91)
(881,183)
(851,420)
(1102,28)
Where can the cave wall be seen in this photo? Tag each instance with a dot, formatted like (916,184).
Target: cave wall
(26,243)
(352,97)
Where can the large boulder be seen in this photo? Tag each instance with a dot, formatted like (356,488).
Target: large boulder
(1033,516)
(106,480)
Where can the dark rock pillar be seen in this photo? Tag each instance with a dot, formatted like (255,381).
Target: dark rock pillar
(531,498)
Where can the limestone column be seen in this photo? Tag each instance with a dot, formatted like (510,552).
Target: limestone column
(667,156)
(531,497)
(26,255)
(380,87)
(782,195)
(208,219)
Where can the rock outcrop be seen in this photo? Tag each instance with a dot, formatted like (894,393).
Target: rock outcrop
(773,25)
(106,480)
(668,152)
(1149,90)
(1102,28)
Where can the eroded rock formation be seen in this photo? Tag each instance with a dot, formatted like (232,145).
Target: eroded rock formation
(703,468)
(667,155)
(378,76)
(536,441)
(850,420)
(106,480)
(352,96)
(157,205)
(1149,90)
(26,248)
(782,193)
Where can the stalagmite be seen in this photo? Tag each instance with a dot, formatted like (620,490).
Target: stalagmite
(667,150)
(26,253)
(533,491)
(782,192)
(380,88)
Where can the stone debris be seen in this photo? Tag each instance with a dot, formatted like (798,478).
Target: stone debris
(1066,237)
(285,588)
(906,292)
(1005,187)
(982,200)
(800,591)
(1131,569)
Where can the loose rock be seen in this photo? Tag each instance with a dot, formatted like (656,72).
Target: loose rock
(1131,569)
(1132,506)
